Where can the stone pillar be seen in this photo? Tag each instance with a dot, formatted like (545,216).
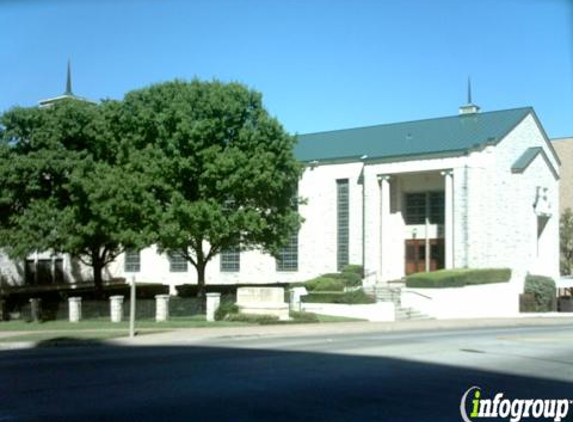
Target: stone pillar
(36,309)
(449,218)
(295,301)
(116,308)
(213,301)
(75,309)
(161,308)
(384,181)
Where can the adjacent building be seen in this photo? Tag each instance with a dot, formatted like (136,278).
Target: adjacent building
(564,149)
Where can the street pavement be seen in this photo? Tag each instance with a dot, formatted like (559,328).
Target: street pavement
(329,372)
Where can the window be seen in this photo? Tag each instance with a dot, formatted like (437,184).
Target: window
(437,206)
(132,262)
(44,271)
(231,260)
(419,206)
(342,223)
(288,256)
(415,208)
(177,263)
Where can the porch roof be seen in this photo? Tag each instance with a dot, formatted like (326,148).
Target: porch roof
(452,134)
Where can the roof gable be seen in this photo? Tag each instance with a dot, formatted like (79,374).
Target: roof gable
(452,135)
(523,162)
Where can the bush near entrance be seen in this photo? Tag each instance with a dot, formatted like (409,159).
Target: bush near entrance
(543,291)
(458,278)
(356,297)
(351,276)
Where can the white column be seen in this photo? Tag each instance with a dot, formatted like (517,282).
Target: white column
(75,309)
(116,308)
(449,217)
(213,302)
(384,181)
(161,308)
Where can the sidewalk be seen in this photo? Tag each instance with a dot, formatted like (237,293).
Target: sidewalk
(188,336)
(199,335)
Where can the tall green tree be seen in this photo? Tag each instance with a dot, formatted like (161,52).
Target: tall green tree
(222,169)
(65,185)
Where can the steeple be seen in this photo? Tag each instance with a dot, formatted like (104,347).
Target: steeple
(69,80)
(67,94)
(469,108)
(469,86)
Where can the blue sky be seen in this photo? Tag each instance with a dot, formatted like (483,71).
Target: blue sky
(321,65)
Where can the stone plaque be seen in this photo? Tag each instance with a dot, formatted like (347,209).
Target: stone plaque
(260,295)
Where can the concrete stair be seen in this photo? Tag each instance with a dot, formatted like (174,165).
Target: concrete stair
(392,293)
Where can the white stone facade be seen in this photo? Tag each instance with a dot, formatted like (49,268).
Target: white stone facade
(490,220)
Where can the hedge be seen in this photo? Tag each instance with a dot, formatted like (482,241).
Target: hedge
(349,298)
(324,284)
(253,318)
(458,278)
(335,282)
(350,279)
(543,290)
(303,317)
(354,269)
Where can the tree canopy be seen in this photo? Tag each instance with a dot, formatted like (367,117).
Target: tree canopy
(195,167)
(64,188)
(566,241)
(223,169)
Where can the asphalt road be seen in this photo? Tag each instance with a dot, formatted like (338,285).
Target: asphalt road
(413,376)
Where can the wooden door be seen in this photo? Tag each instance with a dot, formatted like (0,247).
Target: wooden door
(416,255)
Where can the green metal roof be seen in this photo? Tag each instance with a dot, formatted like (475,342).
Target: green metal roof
(445,135)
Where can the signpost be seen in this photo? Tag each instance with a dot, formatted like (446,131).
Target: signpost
(132,308)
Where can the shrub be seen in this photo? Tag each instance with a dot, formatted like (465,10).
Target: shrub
(254,318)
(306,317)
(226,310)
(543,290)
(352,279)
(354,269)
(458,278)
(324,283)
(333,282)
(349,298)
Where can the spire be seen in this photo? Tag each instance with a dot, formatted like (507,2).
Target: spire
(469,108)
(469,90)
(69,80)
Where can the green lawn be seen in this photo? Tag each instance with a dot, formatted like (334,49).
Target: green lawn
(106,325)
(94,330)
(328,318)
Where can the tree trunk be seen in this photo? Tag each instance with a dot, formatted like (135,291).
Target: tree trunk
(97,272)
(201,279)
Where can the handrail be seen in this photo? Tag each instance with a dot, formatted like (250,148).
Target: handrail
(417,293)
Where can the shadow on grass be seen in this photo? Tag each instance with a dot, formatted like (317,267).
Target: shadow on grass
(70,341)
(160,383)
